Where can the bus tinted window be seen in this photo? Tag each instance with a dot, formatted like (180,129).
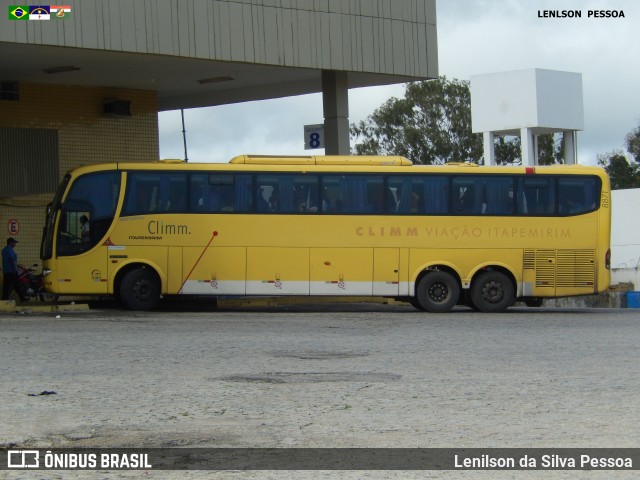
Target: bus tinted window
(577,195)
(349,194)
(483,195)
(536,195)
(467,196)
(499,192)
(426,195)
(287,193)
(220,193)
(353,194)
(155,192)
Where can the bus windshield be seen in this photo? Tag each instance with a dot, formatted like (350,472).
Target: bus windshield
(87,212)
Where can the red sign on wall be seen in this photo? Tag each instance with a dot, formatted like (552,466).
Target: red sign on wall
(13,227)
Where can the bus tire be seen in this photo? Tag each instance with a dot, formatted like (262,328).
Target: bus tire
(438,292)
(492,292)
(415,303)
(140,289)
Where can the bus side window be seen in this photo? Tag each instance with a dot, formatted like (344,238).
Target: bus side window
(266,194)
(499,195)
(536,196)
(375,195)
(139,194)
(243,199)
(578,195)
(468,195)
(199,192)
(399,194)
(332,200)
(436,197)
(421,195)
(210,192)
(353,194)
(287,193)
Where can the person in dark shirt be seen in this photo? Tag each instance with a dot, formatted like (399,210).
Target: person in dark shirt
(9,268)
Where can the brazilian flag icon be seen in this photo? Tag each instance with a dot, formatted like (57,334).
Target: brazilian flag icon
(18,12)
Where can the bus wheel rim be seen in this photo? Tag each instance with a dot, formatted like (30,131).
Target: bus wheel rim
(493,292)
(439,292)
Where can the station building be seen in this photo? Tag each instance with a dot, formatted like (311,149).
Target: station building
(85,85)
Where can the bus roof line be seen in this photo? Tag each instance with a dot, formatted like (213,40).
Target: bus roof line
(321,160)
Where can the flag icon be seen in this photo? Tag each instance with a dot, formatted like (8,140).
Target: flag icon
(60,12)
(39,12)
(18,12)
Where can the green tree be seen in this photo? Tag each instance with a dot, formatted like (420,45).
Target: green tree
(507,151)
(550,149)
(633,143)
(430,125)
(622,173)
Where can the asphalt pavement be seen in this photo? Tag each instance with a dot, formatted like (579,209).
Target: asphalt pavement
(344,375)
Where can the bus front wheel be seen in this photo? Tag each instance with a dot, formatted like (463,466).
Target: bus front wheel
(140,289)
(438,292)
(492,292)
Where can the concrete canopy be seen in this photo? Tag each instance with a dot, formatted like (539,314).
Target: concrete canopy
(179,82)
(196,53)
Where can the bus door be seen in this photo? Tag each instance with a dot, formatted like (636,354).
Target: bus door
(84,221)
(84,266)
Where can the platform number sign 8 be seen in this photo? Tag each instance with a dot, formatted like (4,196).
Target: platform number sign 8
(313,136)
(314,140)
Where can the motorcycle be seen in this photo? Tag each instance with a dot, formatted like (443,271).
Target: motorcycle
(30,285)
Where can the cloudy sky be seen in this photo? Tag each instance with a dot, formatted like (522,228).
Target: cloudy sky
(474,37)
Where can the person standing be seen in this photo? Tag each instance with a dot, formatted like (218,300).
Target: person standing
(84,228)
(9,268)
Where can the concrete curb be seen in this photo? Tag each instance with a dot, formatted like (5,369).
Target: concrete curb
(301,300)
(9,306)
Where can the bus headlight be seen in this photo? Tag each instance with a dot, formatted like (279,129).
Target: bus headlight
(45,272)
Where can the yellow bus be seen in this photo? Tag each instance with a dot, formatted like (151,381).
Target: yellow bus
(435,236)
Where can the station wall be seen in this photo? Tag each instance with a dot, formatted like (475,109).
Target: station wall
(85,135)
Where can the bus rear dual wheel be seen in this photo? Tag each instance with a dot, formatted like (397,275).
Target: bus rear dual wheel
(140,289)
(438,291)
(492,292)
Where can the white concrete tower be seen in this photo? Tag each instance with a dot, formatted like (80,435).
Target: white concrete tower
(527,103)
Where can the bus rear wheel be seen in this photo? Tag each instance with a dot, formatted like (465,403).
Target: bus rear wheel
(140,289)
(438,292)
(492,292)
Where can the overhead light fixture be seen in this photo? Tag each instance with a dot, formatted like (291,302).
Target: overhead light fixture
(62,69)
(226,78)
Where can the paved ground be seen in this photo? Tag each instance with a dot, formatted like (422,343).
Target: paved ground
(330,376)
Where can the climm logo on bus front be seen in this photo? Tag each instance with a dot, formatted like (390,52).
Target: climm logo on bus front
(157,228)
